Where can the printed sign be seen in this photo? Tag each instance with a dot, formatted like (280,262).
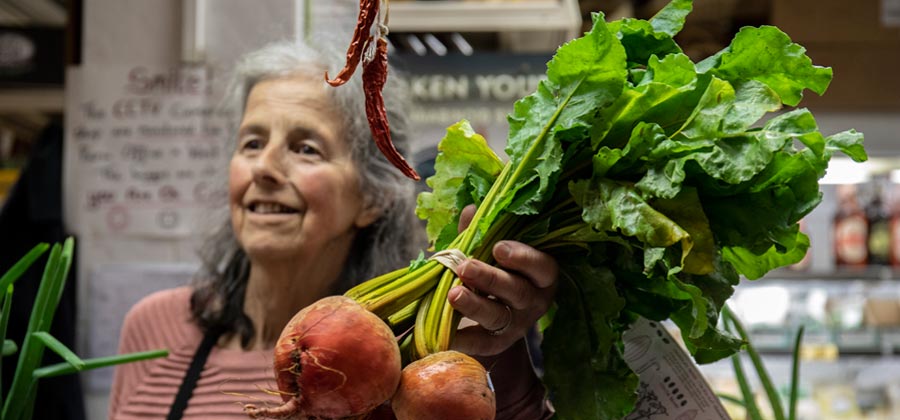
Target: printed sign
(481,88)
(145,150)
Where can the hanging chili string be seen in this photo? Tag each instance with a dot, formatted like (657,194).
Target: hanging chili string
(374,75)
(362,36)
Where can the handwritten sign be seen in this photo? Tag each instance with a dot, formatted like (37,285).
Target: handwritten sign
(145,150)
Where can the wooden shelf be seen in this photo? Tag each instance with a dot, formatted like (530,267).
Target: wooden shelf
(31,100)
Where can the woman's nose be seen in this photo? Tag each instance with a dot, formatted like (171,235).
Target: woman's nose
(268,169)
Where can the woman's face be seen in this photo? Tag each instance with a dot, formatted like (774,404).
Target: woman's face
(293,188)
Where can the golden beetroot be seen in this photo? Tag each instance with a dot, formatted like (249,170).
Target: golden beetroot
(334,359)
(447,385)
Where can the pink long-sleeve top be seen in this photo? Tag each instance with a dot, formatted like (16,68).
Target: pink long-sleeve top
(146,390)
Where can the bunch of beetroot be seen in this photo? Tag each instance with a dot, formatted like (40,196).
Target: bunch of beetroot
(337,360)
(655,182)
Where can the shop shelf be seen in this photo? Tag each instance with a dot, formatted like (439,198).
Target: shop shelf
(521,26)
(856,342)
(38,99)
(871,273)
(473,16)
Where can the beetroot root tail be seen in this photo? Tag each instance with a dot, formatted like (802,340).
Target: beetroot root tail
(287,410)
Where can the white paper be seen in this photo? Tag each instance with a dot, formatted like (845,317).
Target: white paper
(112,290)
(144,150)
(671,386)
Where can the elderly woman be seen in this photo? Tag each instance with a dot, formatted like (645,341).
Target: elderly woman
(314,208)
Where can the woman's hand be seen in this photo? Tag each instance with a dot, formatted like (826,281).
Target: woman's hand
(506,301)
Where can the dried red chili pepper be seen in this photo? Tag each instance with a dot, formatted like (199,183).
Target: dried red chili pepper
(373,77)
(368,12)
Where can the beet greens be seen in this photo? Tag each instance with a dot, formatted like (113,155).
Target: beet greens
(655,181)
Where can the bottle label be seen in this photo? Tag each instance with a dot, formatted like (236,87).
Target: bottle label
(850,240)
(880,241)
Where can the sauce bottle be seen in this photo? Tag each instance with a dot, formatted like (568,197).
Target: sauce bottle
(851,230)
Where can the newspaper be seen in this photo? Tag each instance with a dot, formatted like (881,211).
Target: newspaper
(671,386)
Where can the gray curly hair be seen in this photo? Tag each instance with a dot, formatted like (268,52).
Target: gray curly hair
(387,244)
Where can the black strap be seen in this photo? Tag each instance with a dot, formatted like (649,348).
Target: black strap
(193,374)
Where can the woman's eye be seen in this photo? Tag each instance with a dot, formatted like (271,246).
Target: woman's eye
(305,148)
(252,144)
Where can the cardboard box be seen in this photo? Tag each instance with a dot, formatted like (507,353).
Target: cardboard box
(881,312)
(864,79)
(837,20)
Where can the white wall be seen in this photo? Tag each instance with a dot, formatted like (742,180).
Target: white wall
(131,31)
(116,32)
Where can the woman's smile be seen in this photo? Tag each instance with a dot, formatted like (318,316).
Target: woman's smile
(271,214)
(270,208)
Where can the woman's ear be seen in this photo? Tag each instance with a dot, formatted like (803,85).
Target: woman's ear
(368,214)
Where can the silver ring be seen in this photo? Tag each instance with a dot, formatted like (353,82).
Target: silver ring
(502,329)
